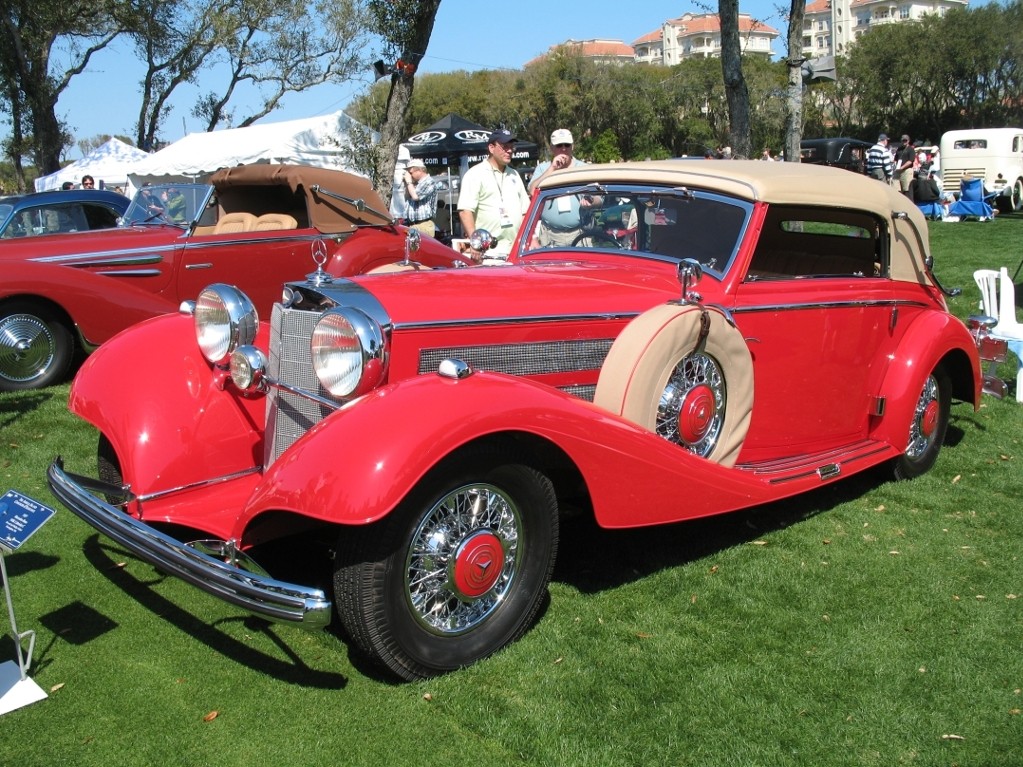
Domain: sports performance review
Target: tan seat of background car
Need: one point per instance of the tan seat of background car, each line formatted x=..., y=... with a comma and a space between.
x=269, y=222
x=233, y=223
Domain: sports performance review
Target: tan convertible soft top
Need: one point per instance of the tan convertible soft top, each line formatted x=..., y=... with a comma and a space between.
x=780, y=183
x=320, y=187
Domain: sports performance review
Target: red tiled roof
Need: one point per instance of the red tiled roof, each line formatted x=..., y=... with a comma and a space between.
x=709, y=22
x=818, y=6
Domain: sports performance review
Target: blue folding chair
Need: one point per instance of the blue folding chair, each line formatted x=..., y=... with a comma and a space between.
x=931, y=210
x=972, y=200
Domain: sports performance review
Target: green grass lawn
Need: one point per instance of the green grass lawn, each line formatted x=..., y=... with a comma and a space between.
x=868, y=623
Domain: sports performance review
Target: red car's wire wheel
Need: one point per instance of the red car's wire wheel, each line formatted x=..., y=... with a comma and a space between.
x=463, y=559
x=926, y=419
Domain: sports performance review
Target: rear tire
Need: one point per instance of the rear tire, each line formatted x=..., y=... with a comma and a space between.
x=36, y=347
x=456, y=572
x=927, y=427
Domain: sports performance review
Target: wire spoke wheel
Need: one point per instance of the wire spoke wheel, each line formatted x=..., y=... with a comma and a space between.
x=456, y=572
x=692, y=406
x=463, y=559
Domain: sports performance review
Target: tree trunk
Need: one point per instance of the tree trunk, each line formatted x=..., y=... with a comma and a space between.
x=402, y=85
x=736, y=92
x=794, y=95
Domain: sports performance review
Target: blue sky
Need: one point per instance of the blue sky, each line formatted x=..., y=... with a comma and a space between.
x=468, y=34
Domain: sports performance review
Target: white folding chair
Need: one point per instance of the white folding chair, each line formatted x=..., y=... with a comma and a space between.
x=998, y=300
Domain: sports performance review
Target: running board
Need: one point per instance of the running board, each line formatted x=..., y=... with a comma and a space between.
x=827, y=465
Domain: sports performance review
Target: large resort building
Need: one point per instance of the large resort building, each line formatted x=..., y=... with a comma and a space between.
x=829, y=28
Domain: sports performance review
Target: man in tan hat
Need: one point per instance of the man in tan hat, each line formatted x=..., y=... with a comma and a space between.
x=420, y=197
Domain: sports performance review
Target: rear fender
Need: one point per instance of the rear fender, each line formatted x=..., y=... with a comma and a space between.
x=169, y=419
x=934, y=338
x=355, y=466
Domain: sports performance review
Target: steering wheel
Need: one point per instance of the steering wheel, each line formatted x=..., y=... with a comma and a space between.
x=596, y=235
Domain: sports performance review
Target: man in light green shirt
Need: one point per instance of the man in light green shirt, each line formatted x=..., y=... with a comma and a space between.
x=492, y=195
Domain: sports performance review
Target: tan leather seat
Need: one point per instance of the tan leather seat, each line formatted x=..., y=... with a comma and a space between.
x=269, y=222
x=234, y=223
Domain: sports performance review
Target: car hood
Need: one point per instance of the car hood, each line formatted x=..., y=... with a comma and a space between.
x=541, y=291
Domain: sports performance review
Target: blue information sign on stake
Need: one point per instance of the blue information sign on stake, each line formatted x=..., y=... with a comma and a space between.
x=20, y=517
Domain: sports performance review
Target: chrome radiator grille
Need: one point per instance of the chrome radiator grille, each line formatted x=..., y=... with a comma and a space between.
x=288, y=416
x=526, y=359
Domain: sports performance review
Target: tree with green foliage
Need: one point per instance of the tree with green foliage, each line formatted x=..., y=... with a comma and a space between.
x=29, y=31
x=736, y=91
x=277, y=47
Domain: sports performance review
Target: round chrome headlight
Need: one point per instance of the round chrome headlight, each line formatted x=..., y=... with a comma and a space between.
x=224, y=320
x=248, y=367
x=348, y=352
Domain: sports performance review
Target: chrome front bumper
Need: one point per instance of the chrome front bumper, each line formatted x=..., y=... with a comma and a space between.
x=258, y=594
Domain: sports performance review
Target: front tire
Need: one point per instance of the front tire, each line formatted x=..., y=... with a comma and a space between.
x=36, y=347
x=456, y=572
x=927, y=427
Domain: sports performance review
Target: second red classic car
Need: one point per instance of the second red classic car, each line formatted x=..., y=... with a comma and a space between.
x=710, y=337
x=252, y=227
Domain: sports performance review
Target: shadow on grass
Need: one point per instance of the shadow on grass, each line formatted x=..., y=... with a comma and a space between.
x=592, y=559
x=18, y=405
x=293, y=671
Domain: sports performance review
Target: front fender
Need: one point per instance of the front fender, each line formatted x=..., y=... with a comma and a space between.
x=356, y=466
x=934, y=338
x=99, y=305
x=153, y=395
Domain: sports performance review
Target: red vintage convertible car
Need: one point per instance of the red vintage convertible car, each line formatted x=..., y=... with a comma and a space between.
x=741, y=332
x=252, y=228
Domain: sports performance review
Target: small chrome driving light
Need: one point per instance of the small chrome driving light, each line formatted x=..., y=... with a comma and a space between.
x=248, y=368
x=224, y=320
x=348, y=352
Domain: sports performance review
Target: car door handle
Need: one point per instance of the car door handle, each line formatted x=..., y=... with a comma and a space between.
x=198, y=266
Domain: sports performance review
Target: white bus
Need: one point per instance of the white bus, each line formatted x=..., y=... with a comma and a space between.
x=993, y=154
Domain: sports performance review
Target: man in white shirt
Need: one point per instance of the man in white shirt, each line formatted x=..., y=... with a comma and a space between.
x=492, y=195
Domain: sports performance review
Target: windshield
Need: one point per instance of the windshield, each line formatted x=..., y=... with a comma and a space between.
x=178, y=204
x=666, y=222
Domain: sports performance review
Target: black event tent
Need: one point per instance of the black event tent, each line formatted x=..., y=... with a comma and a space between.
x=453, y=140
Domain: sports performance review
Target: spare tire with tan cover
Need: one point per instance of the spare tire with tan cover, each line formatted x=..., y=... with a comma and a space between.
x=685, y=373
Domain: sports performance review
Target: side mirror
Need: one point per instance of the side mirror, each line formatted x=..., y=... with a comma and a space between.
x=690, y=272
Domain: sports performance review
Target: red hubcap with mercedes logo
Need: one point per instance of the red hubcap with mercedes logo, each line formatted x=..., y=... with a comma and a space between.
x=478, y=564
x=696, y=414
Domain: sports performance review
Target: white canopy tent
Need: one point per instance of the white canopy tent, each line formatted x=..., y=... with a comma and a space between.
x=108, y=163
x=316, y=141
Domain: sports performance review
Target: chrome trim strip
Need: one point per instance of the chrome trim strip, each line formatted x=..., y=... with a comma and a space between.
x=329, y=403
x=134, y=273
x=476, y=322
x=200, y=483
x=127, y=261
x=149, y=255
x=827, y=305
x=259, y=594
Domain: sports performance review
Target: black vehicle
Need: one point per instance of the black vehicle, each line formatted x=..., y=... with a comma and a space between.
x=848, y=153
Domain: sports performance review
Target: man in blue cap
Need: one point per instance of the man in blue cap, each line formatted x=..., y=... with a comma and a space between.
x=492, y=195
